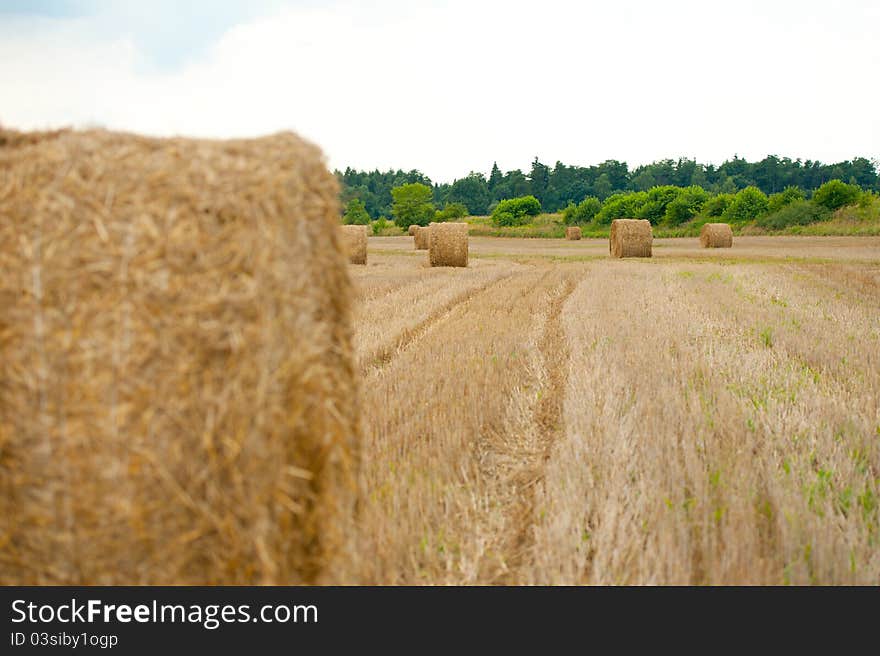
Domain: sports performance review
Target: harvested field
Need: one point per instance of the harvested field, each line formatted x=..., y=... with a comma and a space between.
x=553, y=416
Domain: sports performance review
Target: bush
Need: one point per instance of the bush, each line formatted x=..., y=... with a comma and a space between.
x=748, y=204
x=787, y=196
x=798, y=212
x=451, y=211
x=867, y=199
x=835, y=194
x=657, y=199
x=356, y=213
x=686, y=205
x=622, y=205
x=413, y=204
x=583, y=212
x=716, y=205
x=515, y=211
x=379, y=225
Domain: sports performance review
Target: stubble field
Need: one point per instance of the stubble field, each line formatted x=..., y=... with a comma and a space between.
x=551, y=416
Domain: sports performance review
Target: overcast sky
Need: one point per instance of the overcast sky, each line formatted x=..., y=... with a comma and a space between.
x=448, y=87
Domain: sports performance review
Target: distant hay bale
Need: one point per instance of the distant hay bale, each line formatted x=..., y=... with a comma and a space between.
x=573, y=233
x=630, y=238
x=178, y=402
x=716, y=235
x=354, y=239
x=422, y=238
x=412, y=230
x=448, y=245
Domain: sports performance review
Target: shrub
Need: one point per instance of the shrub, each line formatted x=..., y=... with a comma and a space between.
x=748, y=204
x=657, y=199
x=787, y=196
x=379, y=225
x=834, y=194
x=515, y=211
x=356, y=213
x=798, y=212
x=583, y=212
x=867, y=199
x=716, y=205
x=451, y=211
x=507, y=219
x=621, y=205
x=686, y=205
x=413, y=204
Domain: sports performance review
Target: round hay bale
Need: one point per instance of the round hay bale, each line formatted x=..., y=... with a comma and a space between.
x=422, y=238
x=448, y=245
x=178, y=401
x=412, y=230
x=716, y=235
x=573, y=233
x=630, y=238
x=354, y=239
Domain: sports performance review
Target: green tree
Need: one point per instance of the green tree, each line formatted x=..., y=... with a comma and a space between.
x=785, y=197
x=451, y=211
x=413, y=204
x=602, y=187
x=583, y=212
x=356, y=213
x=716, y=205
x=748, y=204
x=686, y=205
x=495, y=179
x=622, y=205
x=539, y=179
x=835, y=194
x=516, y=211
x=471, y=191
x=657, y=199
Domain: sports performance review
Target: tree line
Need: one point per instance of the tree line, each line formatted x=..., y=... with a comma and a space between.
x=559, y=186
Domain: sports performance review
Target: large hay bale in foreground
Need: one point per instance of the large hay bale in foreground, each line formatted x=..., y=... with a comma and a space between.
x=448, y=245
x=422, y=238
x=177, y=389
x=354, y=238
x=411, y=231
x=573, y=233
x=630, y=238
x=716, y=235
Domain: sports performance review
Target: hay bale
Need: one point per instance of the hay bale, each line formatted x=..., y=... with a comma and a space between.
x=448, y=245
x=422, y=238
x=354, y=239
x=716, y=235
x=412, y=230
x=630, y=238
x=177, y=389
x=573, y=233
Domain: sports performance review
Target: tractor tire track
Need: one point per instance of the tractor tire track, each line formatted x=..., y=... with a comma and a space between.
x=382, y=356
x=545, y=425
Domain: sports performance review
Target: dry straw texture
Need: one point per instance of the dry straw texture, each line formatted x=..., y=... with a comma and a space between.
x=177, y=394
x=354, y=237
x=448, y=245
x=412, y=230
x=630, y=238
x=422, y=238
x=573, y=233
x=16, y=139
x=716, y=235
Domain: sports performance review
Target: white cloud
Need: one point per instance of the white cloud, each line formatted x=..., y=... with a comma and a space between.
x=449, y=87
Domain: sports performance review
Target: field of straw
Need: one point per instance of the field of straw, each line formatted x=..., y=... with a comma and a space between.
x=551, y=415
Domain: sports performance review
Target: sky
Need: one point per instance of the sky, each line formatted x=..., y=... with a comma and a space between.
x=450, y=87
